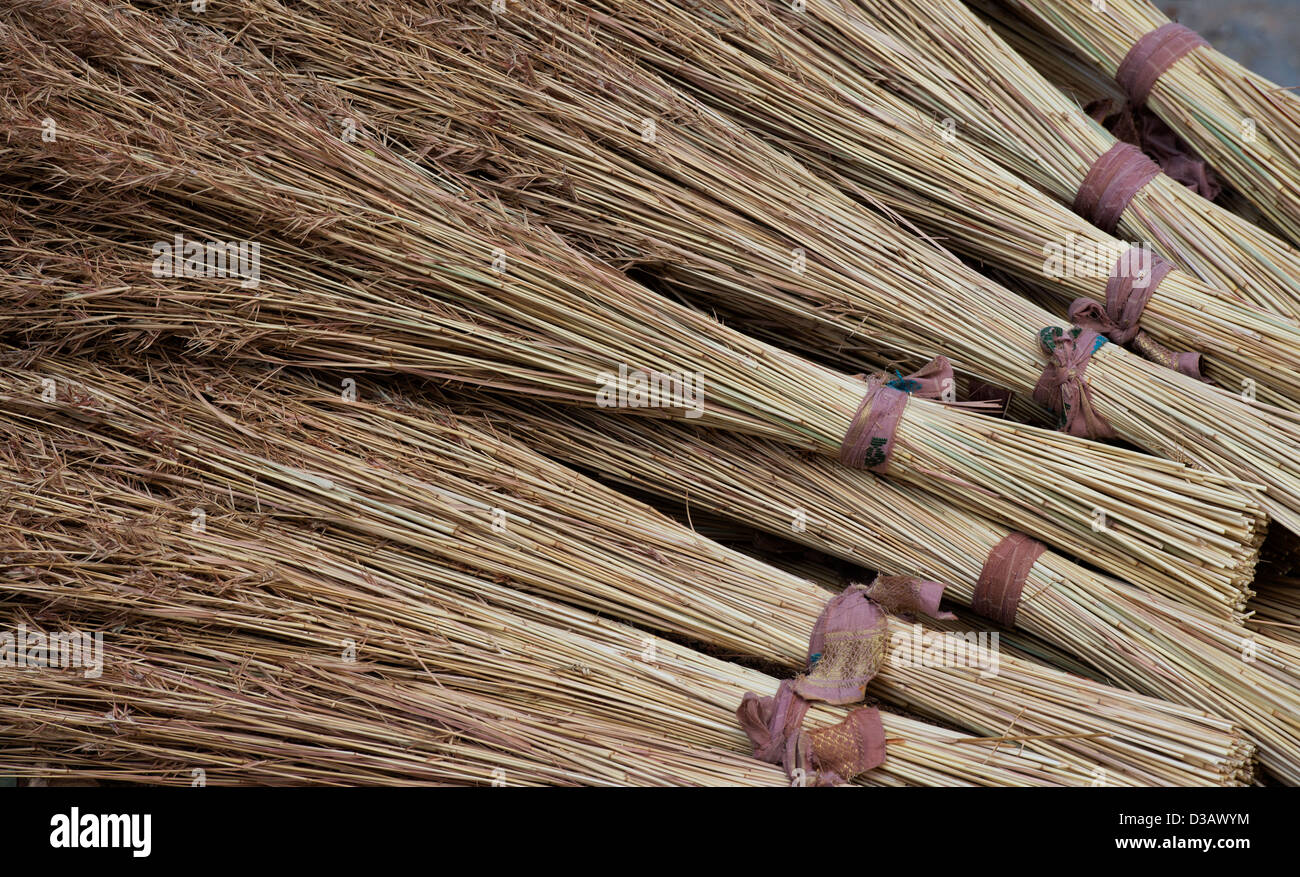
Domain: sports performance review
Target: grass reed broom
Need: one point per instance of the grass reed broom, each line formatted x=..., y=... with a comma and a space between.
x=1191, y=532
x=945, y=60
x=986, y=332
x=835, y=574
x=1210, y=541
x=384, y=325
x=1084, y=84
x=890, y=151
x=308, y=592
x=711, y=464
x=949, y=189
x=1140, y=641
x=222, y=710
x=537, y=551
x=1246, y=126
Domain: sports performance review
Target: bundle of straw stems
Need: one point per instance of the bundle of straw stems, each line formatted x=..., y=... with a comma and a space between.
x=1277, y=609
x=424, y=299
x=891, y=153
x=710, y=205
x=433, y=643
x=943, y=59
x=1247, y=127
x=1135, y=639
x=194, y=706
x=1085, y=84
x=818, y=342
x=835, y=574
x=1191, y=535
x=431, y=485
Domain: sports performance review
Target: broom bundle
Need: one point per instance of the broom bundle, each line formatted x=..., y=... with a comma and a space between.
x=835, y=574
x=585, y=544
x=189, y=707
x=946, y=61
x=1103, y=99
x=309, y=598
x=704, y=468
x=888, y=152
x=950, y=190
x=1143, y=642
x=552, y=326
x=1247, y=127
x=987, y=331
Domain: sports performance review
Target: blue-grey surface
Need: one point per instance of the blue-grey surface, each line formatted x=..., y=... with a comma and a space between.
x=1260, y=34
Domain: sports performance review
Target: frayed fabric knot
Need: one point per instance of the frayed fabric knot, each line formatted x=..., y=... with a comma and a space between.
x=847, y=648
x=1063, y=387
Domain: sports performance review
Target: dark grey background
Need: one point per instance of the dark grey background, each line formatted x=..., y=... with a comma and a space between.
x=1260, y=34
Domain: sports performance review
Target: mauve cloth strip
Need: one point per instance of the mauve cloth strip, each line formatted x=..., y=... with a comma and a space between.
x=1153, y=54
x=1002, y=580
x=869, y=441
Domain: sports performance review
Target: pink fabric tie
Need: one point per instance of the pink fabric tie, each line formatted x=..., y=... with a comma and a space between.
x=1001, y=581
x=869, y=441
x=847, y=648
x=1115, y=177
x=1063, y=388
x=1127, y=294
x=1152, y=55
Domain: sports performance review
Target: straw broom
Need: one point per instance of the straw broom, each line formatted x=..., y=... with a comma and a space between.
x=711, y=464
x=544, y=297
x=890, y=152
x=835, y=574
x=222, y=710
x=1217, y=560
x=949, y=189
x=1192, y=535
x=1245, y=125
x=946, y=61
x=313, y=592
x=537, y=551
x=1085, y=84
x=289, y=717
x=307, y=559
x=1138, y=640
x=989, y=333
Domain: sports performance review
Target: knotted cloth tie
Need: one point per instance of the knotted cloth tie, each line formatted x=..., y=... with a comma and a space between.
x=1151, y=56
x=1127, y=293
x=869, y=440
x=1148, y=132
x=1063, y=388
x=847, y=648
x=826, y=756
x=1001, y=581
x=1109, y=186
